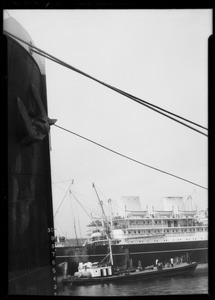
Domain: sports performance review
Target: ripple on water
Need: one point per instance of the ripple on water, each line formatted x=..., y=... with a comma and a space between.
x=197, y=283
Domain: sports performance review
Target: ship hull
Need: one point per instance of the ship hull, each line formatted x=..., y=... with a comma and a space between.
x=148, y=253
x=30, y=211
x=72, y=256
x=145, y=253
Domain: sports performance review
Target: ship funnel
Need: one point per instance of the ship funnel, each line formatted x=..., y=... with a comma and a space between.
x=173, y=203
x=130, y=202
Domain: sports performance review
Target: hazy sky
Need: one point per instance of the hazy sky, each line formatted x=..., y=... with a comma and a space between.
x=157, y=55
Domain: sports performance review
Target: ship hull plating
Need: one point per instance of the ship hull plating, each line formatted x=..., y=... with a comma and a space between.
x=145, y=253
x=30, y=212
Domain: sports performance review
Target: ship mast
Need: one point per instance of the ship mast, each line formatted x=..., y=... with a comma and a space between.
x=75, y=232
x=111, y=213
x=106, y=225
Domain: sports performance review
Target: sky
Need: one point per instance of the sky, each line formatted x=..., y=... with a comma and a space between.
x=159, y=56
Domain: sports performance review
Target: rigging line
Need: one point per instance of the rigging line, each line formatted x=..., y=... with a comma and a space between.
x=92, y=210
x=157, y=110
x=58, y=187
x=59, y=178
x=76, y=209
x=102, y=193
x=85, y=202
x=136, y=99
x=106, y=198
x=84, y=209
x=60, y=227
x=110, y=199
x=132, y=159
x=143, y=102
x=121, y=207
x=150, y=105
x=62, y=181
x=88, y=198
x=63, y=198
x=51, y=57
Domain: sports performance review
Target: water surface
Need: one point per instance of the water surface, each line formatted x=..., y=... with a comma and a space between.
x=197, y=283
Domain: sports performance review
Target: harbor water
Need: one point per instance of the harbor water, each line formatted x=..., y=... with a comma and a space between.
x=196, y=283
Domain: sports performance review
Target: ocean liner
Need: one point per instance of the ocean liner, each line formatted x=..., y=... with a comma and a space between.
x=141, y=235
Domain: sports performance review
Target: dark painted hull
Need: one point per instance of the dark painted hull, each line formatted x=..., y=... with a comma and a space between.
x=30, y=213
x=72, y=255
x=177, y=270
x=146, y=253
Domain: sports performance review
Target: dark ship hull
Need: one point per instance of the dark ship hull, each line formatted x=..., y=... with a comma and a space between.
x=148, y=253
x=30, y=213
x=145, y=253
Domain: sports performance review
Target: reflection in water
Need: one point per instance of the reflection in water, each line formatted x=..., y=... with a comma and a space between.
x=197, y=283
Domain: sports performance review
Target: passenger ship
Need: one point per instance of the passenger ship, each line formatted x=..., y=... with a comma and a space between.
x=145, y=236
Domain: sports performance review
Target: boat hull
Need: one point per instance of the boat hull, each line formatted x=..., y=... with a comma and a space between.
x=182, y=269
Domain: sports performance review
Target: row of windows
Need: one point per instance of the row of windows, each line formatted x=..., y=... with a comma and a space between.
x=149, y=241
x=166, y=230
x=158, y=221
x=156, y=224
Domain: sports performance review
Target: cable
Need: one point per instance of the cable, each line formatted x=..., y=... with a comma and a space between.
x=125, y=156
x=105, y=205
x=84, y=209
x=136, y=99
x=63, y=198
x=58, y=187
x=84, y=203
x=60, y=227
x=120, y=207
x=62, y=181
x=145, y=103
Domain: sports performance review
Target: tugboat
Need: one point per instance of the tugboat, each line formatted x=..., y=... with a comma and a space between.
x=90, y=273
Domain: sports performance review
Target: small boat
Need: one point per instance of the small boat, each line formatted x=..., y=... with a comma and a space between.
x=94, y=274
